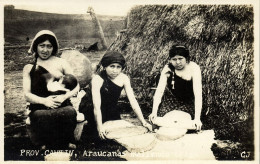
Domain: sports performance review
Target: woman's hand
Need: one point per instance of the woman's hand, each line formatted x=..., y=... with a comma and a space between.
x=101, y=132
x=166, y=70
x=60, y=98
x=152, y=116
x=148, y=126
x=198, y=124
x=51, y=102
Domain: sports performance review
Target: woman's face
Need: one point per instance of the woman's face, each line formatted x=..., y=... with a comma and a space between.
x=113, y=70
x=179, y=62
x=45, y=49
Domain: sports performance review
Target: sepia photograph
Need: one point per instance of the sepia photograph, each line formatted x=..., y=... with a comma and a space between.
x=130, y=80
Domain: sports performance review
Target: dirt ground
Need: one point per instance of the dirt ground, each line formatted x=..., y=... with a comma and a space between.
x=14, y=99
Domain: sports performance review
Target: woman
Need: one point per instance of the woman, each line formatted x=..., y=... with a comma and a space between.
x=100, y=104
x=53, y=119
x=183, y=96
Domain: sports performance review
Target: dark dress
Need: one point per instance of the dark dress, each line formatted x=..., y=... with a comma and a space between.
x=178, y=95
x=110, y=93
x=51, y=126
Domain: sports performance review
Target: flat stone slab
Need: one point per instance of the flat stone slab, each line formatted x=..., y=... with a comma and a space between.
x=125, y=132
x=133, y=138
x=165, y=134
x=110, y=125
x=138, y=143
x=195, y=146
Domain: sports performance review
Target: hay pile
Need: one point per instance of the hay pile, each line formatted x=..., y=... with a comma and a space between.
x=220, y=39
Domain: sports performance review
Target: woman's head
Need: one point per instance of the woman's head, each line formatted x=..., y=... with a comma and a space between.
x=113, y=63
x=180, y=51
x=48, y=41
x=42, y=40
x=112, y=57
x=179, y=57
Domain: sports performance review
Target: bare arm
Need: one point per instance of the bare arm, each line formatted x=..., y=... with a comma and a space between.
x=132, y=99
x=160, y=89
x=197, y=89
x=32, y=98
x=97, y=82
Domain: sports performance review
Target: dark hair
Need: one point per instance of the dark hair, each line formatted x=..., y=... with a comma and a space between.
x=70, y=81
x=43, y=38
x=112, y=57
x=179, y=50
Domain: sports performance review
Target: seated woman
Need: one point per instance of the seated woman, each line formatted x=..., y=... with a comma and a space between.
x=53, y=119
x=100, y=104
x=180, y=82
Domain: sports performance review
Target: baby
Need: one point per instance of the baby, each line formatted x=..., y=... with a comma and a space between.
x=66, y=83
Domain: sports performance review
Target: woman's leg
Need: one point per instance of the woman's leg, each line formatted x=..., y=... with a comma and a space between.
x=55, y=126
x=65, y=124
x=41, y=125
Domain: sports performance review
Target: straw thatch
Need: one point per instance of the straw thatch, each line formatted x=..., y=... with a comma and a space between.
x=220, y=39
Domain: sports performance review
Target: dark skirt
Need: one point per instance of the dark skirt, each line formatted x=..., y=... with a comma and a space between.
x=171, y=102
x=54, y=126
x=86, y=107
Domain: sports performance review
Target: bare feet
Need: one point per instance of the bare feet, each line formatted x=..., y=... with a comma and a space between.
x=72, y=146
x=43, y=147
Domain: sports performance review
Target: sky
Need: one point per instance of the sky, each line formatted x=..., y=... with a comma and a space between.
x=102, y=7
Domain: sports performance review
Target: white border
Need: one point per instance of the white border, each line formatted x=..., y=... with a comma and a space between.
x=254, y=3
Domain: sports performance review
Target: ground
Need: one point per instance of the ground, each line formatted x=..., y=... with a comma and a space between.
x=17, y=145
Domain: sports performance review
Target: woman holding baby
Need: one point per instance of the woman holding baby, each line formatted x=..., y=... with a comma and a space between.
x=53, y=119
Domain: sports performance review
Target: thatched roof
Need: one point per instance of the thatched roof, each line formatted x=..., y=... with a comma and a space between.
x=220, y=39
